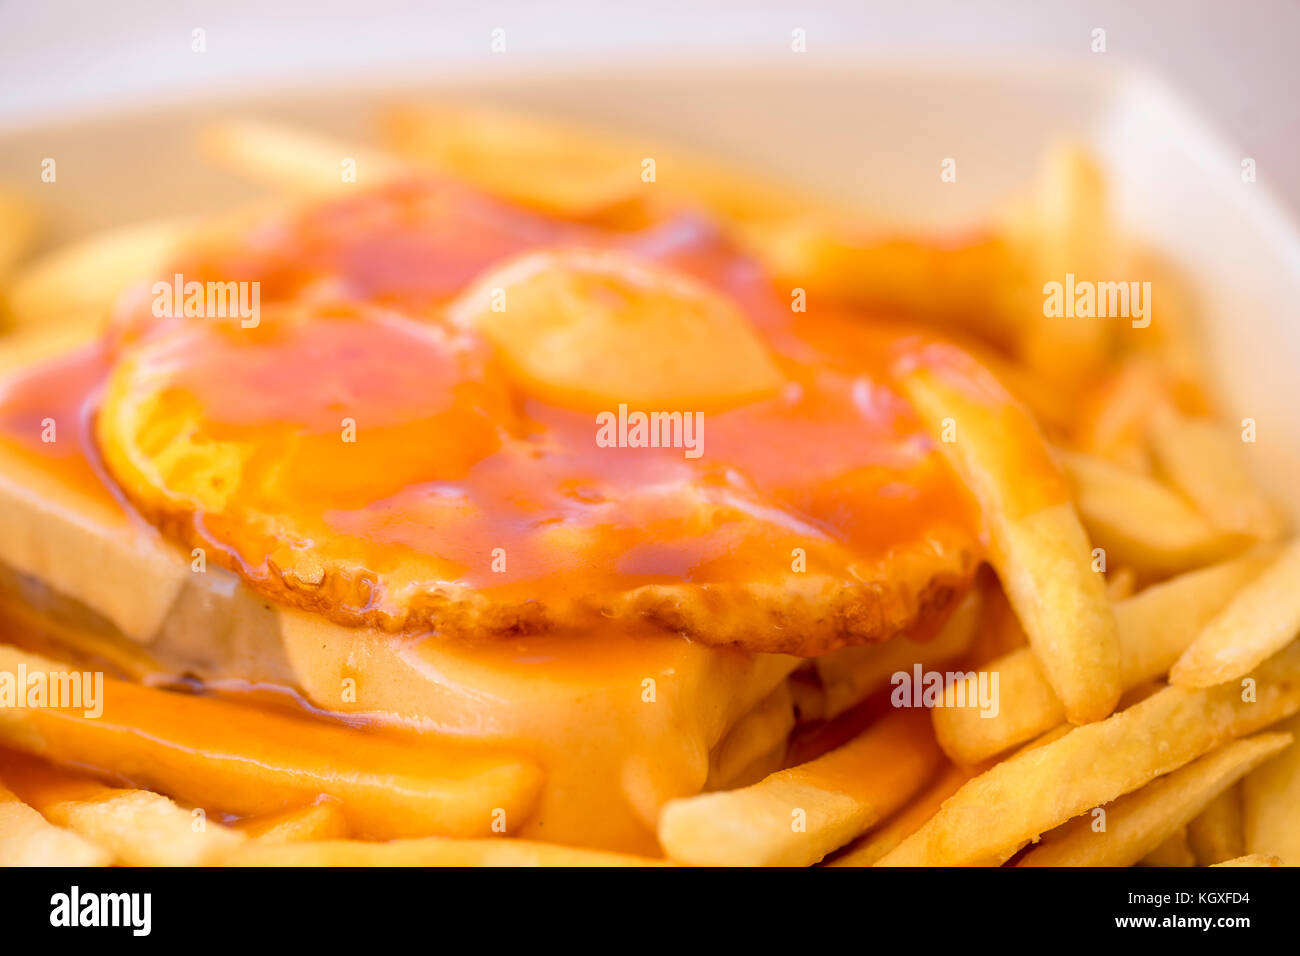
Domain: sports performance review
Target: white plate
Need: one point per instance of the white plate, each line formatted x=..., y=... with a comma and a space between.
x=877, y=133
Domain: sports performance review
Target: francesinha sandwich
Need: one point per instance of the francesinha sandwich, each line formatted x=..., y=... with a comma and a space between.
x=497, y=503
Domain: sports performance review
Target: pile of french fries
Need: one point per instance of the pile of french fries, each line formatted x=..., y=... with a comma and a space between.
x=1142, y=621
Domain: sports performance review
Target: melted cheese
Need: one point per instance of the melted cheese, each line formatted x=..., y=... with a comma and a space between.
x=619, y=722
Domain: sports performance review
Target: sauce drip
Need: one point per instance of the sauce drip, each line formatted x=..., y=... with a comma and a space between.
x=61, y=393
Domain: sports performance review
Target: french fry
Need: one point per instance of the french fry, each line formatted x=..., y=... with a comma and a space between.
x=1158, y=624
x=1203, y=461
x=1173, y=852
x=1154, y=626
x=796, y=816
x=322, y=820
x=1252, y=859
x=951, y=285
x=1053, y=409
x=231, y=758
x=1000, y=631
x=28, y=839
x=78, y=283
x=1039, y=548
x=1001, y=857
x=758, y=735
x=548, y=165
x=297, y=160
x=1261, y=619
x=876, y=843
x=1270, y=805
x=1138, y=823
x=1215, y=834
x=1032, y=792
x=1115, y=416
x=1067, y=230
x=1026, y=706
x=430, y=851
x=1142, y=523
x=138, y=827
x=1121, y=584
x=567, y=170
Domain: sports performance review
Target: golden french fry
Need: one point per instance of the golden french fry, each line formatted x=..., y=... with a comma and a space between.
x=1000, y=631
x=540, y=163
x=571, y=171
x=796, y=816
x=1026, y=706
x=1067, y=231
x=78, y=283
x=758, y=739
x=1039, y=550
x=1216, y=832
x=1120, y=584
x=232, y=758
x=1252, y=859
x=28, y=839
x=877, y=842
x=1138, y=823
x=297, y=160
x=1053, y=409
x=953, y=285
x=322, y=820
x=1178, y=344
x=430, y=851
x=1155, y=626
x=139, y=827
x=1270, y=804
x=1114, y=419
x=1140, y=522
x=1262, y=618
x=1030, y=793
x=1173, y=852
x=1158, y=624
x=1203, y=461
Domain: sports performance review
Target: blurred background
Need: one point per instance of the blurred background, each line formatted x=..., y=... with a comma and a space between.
x=1236, y=62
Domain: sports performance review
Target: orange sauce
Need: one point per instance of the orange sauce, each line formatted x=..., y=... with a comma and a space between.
x=65, y=391
x=837, y=463
x=1030, y=480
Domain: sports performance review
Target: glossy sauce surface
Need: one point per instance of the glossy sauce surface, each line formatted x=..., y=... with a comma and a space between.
x=451, y=463
x=65, y=391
